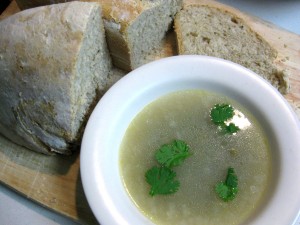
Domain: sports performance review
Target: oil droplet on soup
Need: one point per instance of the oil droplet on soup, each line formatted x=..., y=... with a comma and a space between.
x=185, y=115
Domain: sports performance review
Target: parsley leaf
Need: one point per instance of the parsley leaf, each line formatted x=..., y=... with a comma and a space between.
x=220, y=113
x=162, y=180
x=232, y=128
x=173, y=154
x=227, y=190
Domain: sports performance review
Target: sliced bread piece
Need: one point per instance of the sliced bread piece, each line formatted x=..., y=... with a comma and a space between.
x=133, y=27
x=134, y=31
x=54, y=64
x=208, y=28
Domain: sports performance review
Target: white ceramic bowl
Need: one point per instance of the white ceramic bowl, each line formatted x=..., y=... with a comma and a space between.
x=105, y=129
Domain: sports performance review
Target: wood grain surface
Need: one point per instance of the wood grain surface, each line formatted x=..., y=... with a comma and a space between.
x=54, y=181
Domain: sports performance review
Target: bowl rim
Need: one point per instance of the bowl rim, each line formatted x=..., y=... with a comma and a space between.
x=157, y=78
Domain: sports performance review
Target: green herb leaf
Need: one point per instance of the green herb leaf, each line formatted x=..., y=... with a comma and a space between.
x=231, y=179
x=227, y=190
x=162, y=181
x=223, y=191
x=170, y=155
x=232, y=128
x=221, y=112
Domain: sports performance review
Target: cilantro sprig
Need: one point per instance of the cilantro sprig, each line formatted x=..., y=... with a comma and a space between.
x=163, y=179
x=228, y=190
x=173, y=154
x=221, y=113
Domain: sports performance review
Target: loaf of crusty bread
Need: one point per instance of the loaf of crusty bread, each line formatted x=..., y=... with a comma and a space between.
x=134, y=28
x=54, y=64
x=207, y=28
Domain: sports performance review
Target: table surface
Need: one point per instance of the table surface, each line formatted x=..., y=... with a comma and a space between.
x=17, y=210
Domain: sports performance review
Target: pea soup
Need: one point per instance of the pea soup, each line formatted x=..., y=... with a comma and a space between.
x=185, y=115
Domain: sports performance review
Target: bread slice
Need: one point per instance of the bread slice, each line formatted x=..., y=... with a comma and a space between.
x=133, y=27
x=134, y=31
x=208, y=28
x=54, y=64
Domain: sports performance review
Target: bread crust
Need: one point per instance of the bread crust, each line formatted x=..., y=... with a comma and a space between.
x=119, y=16
x=38, y=58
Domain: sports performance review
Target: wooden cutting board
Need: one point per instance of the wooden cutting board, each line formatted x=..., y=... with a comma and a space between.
x=54, y=181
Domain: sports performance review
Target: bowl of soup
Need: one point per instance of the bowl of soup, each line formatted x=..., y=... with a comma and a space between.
x=192, y=140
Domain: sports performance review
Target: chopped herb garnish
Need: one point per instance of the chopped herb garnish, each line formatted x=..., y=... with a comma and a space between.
x=173, y=154
x=220, y=114
x=232, y=128
x=162, y=180
x=227, y=190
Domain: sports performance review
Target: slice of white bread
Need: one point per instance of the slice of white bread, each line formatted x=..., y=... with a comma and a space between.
x=134, y=31
x=208, y=28
x=134, y=28
x=54, y=64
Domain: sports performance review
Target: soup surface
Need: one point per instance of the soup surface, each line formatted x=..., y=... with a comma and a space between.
x=185, y=115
